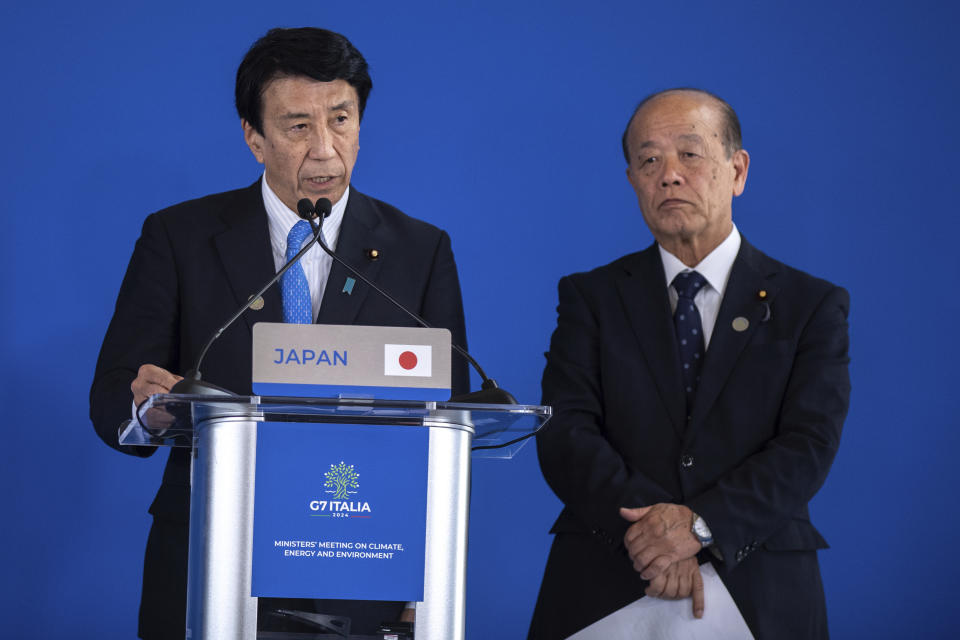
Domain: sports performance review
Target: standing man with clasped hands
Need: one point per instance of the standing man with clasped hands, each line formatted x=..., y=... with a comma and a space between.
x=699, y=389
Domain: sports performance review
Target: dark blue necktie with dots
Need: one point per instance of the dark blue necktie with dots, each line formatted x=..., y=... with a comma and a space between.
x=686, y=319
x=297, y=305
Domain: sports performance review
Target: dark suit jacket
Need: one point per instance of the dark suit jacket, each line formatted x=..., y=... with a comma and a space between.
x=764, y=430
x=194, y=264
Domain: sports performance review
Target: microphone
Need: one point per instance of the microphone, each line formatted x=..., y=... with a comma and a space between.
x=489, y=392
x=308, y=211
x=192, y=382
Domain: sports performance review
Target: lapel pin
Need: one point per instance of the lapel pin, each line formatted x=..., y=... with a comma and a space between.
x=372, y=254
x=740, y=324
x=348, y=285
x=257, y=304
x=762, y=294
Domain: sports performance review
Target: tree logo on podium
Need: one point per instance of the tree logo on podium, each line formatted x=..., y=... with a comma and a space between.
x=340, y=479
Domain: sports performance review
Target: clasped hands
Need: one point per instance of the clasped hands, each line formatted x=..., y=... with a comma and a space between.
x=663, y=550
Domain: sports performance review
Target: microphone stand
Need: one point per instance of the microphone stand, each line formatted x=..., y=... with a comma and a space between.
x=489, y=393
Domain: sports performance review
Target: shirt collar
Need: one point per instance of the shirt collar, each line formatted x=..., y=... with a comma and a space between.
x=281, y=218
x=715, y=267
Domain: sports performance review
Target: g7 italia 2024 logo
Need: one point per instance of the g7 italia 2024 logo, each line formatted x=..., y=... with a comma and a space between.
x=342, y=480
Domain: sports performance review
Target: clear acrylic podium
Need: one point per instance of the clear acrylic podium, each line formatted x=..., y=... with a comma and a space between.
x=222, y=431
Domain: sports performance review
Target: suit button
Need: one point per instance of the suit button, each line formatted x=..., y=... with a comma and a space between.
x=686, y=461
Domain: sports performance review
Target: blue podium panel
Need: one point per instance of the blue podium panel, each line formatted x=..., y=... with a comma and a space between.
x=340, y=511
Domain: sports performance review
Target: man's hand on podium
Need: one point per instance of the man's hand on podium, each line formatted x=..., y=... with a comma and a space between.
x=152, y=379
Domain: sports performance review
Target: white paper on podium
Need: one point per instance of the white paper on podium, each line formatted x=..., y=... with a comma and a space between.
x=656, y=619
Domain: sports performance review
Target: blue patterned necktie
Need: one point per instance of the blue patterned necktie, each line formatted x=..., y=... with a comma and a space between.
x=297, y=306
x=686, y=319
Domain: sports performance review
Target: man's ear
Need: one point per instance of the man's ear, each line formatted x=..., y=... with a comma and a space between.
x=254, y=140
x=741, y=163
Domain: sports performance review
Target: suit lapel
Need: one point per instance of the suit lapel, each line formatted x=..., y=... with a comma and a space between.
x=244, y=249
x=751, y=272
x=644, y=296
x=359, y=231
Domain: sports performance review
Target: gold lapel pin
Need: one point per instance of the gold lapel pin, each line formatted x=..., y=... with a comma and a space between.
x=257, y=304
x=372, y=254
x=740, y=324
x=762, y=294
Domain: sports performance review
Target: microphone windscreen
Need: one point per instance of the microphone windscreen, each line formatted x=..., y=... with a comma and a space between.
x=324, y=207
x=306, y=210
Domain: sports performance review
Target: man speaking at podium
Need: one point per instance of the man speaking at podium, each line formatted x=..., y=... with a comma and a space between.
x=300, y=94
x=698, y=388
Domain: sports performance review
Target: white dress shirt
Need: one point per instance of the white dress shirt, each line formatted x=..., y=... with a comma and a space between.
x=715, y=268
x=316, y=263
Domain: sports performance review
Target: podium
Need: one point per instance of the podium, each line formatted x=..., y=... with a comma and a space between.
x=222, y=432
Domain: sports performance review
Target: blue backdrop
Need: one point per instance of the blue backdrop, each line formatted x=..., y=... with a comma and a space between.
x=499, y=122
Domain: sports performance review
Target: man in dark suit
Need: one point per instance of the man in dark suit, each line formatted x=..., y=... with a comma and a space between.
x=300, y=94
x=699, y=388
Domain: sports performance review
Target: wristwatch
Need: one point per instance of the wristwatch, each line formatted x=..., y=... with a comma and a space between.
x=701, y=531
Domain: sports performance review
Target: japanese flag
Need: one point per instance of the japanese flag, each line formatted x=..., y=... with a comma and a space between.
x=407, y=360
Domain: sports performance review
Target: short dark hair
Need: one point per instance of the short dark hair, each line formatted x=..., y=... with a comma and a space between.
x=315, y=53
x=732, y=139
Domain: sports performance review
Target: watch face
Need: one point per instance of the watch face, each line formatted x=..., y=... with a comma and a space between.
x=700, y=529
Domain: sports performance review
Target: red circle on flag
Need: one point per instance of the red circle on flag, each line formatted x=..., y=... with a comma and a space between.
x=408, y=360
